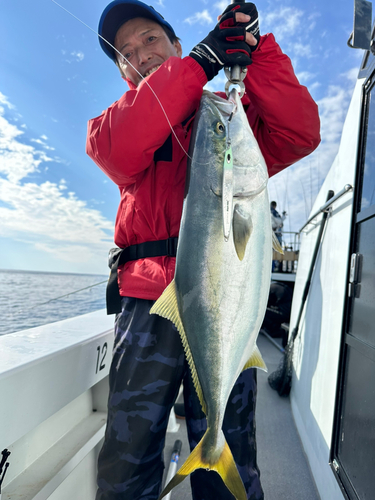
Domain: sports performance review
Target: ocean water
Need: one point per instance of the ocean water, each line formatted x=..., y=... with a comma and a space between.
x=29, y=299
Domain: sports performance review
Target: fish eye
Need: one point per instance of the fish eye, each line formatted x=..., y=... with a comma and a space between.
x=220, y=129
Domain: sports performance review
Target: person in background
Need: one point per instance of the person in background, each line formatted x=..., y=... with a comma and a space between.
x=132, y=143
x=277, y=221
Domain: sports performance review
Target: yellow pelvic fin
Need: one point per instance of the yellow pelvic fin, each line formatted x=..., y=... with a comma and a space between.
x=166, y=306
x=256, y=361
x=224, y=466
x=276, y=244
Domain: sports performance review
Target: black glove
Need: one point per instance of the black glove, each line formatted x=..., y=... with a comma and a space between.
x=246, y=8
x=225, y=45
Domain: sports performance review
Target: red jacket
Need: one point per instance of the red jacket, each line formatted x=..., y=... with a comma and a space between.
x=132, y=143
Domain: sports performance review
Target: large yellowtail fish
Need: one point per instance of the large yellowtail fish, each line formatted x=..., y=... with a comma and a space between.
x=218, y=297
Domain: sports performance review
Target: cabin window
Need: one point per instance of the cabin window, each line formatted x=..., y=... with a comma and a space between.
x=368, y=189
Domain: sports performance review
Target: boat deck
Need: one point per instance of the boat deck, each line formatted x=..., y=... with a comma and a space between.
x=285, y=473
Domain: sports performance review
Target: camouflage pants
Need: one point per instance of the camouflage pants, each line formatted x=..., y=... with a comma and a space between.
x=147, y=369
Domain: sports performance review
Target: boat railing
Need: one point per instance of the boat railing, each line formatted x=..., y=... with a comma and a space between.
x=327, y=205
x=288, y=261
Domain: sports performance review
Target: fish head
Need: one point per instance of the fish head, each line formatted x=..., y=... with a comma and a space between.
x=207, y=144
x=250, y=175
x=226, y=164
x=250, y=172
x=232, y=167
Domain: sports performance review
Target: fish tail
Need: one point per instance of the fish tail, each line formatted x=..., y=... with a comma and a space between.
x=225, y=466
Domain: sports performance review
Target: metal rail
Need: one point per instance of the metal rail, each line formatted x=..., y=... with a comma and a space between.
x=324, y=208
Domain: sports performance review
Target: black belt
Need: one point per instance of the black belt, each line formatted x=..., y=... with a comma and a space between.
x=119, y=256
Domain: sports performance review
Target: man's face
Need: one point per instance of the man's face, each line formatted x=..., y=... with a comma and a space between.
x=146, y=45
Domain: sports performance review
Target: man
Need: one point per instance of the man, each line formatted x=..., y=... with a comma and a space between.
x=132, y=143
x=277, y=220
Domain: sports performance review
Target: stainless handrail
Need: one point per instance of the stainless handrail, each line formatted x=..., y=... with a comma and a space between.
x=323, y=208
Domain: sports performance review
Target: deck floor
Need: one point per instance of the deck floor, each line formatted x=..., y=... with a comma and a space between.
x=285, y=473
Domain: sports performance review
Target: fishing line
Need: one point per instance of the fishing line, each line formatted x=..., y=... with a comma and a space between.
x=58, y=298
x=304, y=196
x=130, y=64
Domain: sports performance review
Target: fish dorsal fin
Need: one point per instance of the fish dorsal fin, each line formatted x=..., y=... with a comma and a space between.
x=166, y=306
x=256, y=361
x=242, y=228
x=276, y=244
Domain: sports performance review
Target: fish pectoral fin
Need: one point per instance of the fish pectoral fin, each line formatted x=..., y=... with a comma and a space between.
x=276, y=244
x=225, y=466
x=242, y=228
x=166, y=306
x=256, y=361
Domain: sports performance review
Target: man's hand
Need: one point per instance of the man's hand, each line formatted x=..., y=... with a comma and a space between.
x=238, y=15
x=226, y=45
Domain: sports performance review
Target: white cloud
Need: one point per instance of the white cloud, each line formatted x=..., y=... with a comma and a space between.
x=284, y=22
x=332, y=111
x=44, y=211
x=38, y=141
x=79, y=56
x=296, y=188
x=351, y=75
x=42, y=143
x=302, y=49
x=76, y=56
x=73, y=254
x=45, y=214
x=312, y=19
x=222, y=5
x=200, y=17
x=314, y=86
x=5, y=102
x=305, y=76
x=17, y=160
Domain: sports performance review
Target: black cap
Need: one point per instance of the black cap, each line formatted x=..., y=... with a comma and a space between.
x=117, y=13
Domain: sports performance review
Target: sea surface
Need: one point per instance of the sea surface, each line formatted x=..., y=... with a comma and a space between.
x=29, y=299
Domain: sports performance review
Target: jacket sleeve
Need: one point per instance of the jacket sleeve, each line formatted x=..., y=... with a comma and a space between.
x=282, y=114
x=123, y=139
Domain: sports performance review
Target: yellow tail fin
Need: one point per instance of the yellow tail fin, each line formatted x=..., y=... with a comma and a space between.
x=225, y=466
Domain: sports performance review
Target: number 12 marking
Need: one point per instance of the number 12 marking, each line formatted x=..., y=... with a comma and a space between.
x=104, y=353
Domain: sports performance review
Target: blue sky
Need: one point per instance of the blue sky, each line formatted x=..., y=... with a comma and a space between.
x=57, y=209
